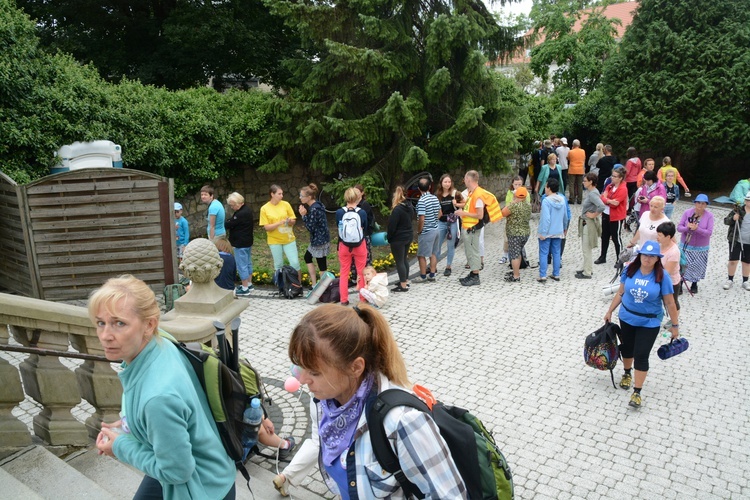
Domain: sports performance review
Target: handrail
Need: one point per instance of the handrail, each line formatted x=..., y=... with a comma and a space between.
x=52, y=352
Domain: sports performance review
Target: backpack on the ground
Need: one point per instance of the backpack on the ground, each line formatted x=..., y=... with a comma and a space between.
x=229, y=384
x=331, y=294
x=601, y=349
x=172, y=293
x=482, y=466
x=350, y=228
x=287, y=279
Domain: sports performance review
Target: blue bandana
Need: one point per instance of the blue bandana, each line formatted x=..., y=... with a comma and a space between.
x=337, y=426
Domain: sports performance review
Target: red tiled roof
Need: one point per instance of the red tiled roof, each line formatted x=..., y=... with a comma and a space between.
x=623, y=11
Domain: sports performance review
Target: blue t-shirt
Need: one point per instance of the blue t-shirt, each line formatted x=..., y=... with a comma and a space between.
x=643, y=295
x=225, y=279
x=217, y=209
x=183, y=231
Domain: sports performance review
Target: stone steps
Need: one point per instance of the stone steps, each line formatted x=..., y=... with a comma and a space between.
x=36, y=473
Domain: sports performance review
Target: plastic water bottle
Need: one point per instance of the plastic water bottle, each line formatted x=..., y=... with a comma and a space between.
x=252, y=419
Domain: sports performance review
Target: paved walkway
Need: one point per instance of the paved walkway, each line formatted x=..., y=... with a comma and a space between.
x=512, y=353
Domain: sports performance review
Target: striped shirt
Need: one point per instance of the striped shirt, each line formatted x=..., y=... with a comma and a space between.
x=429, y=207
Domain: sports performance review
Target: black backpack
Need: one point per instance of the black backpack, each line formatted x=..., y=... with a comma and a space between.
x=229, y=384
x=287, y=279
x=482, y=466
x=331, y=294
x=601, y=349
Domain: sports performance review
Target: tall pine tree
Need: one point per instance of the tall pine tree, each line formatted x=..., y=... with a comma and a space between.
x=680, y=84
x=394, y=85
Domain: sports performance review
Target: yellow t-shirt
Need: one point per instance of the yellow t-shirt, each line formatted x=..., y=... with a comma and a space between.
x=271, y=214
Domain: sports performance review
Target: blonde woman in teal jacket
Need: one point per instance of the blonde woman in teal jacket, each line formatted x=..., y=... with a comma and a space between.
x=166, y=429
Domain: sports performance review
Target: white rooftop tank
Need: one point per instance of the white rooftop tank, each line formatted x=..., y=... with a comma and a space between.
x=94, y=154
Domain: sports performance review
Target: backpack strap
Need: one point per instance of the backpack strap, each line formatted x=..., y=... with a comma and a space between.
x=385, y=402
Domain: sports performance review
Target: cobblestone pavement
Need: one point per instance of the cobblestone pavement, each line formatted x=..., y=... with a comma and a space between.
x=512, y=353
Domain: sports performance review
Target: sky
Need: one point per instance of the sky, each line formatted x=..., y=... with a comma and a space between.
x=522, y=7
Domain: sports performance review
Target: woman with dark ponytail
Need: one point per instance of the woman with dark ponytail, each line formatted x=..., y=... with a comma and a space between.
x=347, y=357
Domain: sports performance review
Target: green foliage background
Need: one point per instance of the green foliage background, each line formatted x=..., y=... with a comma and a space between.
x=47, y=101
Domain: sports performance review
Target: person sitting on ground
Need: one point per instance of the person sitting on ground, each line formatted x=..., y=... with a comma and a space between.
x=668, y=167
x=375, y=291
x=225, y=279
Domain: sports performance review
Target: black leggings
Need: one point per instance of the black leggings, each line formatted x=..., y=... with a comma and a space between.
x=610, y=230
x=637, y=342
x=400, y=253
x=322, y=262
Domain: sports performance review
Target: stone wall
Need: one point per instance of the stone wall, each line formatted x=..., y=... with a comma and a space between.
x=253, y=185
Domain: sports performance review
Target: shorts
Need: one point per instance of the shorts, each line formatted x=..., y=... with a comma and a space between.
x=515, y=246
x=738, y=250
x=427, y=244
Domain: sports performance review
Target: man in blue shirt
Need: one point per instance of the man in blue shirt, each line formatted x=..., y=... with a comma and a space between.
x=428, y=213
x=216, y=214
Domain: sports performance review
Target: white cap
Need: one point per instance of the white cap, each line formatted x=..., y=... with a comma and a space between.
x=177, y=206
x=564, y=141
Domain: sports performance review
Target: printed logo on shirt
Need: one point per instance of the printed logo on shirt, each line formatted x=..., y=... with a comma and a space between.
x=639, y=294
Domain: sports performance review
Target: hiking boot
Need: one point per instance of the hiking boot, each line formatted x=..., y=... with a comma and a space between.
x=284, y=454
x=635, y=400
x=447, y=271
x=511, y=279
x=729, y=284
x=626, y=381
x=694, y=288
x=470, y=280
x=279, y=482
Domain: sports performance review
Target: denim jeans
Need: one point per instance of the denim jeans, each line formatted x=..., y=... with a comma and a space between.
x=444, y=227
x=547, y=246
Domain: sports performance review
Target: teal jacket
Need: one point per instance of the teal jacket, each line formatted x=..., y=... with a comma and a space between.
x=544, y=176
x=173, y=437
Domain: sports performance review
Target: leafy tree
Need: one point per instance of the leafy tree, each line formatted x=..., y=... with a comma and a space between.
x=395, y=85
x=175, y=43
x=47, y=101
x=679, y=84
x=578, y=56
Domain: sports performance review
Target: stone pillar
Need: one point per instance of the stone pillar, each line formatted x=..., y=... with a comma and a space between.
x=13, y=432
x=53, y=386
x=98, y=383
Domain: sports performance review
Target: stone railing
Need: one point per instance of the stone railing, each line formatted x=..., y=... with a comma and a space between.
x=52, y=326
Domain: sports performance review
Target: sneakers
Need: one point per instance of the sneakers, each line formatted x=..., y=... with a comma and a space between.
x=746, y=285
x=504, y=260
x=542, y=280
x=470, y=279
x=511, y=279
x=420, y=279
x=729, y=284
x=626, y=381
x=239, y=292
x=430, y=277
x=635, y=400
x=279, y=482
x=556, y=278
x=447, y=271
x=694, y=288
x=284, y=454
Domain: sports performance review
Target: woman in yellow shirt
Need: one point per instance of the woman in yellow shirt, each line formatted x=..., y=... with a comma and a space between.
x=668, y=167
x=278, y=219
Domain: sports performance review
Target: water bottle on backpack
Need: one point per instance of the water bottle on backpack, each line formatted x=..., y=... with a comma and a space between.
x=252, y=419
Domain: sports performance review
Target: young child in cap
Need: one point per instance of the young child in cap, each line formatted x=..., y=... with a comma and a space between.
x=182, y=230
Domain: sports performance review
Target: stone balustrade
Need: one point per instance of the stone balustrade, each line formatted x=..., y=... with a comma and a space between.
x=58, y=327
